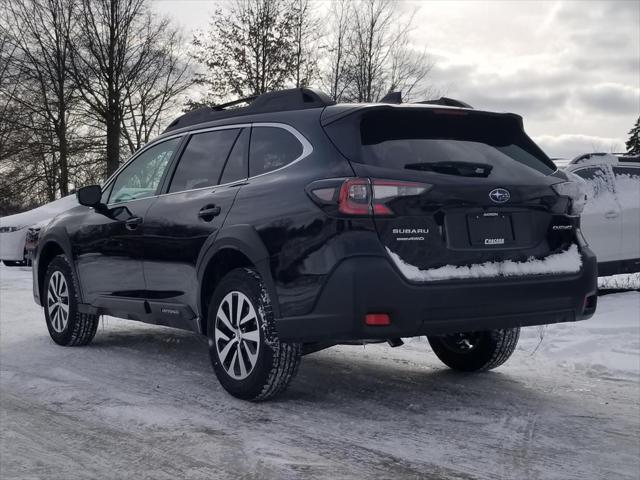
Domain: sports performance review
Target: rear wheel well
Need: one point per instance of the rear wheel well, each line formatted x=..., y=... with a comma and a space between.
x=50, y=251
x=220, y=264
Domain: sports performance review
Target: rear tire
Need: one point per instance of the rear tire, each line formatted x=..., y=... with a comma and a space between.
x=66, y=325
x=475, y=351
x=247, y=356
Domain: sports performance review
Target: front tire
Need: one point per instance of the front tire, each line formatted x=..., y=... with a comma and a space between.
x=66, y=325
x=475, y=351
x=247, y=356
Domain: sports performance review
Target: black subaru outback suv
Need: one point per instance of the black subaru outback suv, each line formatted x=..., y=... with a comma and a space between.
x=294, y=224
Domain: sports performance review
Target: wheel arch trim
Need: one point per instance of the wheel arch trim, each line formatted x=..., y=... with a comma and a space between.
x=244, y=239
x=52, y=239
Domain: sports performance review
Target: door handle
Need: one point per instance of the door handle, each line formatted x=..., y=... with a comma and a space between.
x=209, y=212
x=133, y=223
x=612, y=214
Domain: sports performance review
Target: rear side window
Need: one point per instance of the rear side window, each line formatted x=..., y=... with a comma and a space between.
x=272, y=148
x=441, y=141
x=203, y=159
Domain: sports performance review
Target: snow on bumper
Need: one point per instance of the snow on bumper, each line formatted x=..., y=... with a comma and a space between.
x=568, y=261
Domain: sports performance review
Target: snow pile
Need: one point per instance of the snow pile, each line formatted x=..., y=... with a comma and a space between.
x=606, y=346
x=625, y=281
x=568, y=261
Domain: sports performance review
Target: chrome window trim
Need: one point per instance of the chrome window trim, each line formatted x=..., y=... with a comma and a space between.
x=307, y=149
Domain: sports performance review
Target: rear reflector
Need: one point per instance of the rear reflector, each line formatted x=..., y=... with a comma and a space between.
x=377, y=319
x=590, y=303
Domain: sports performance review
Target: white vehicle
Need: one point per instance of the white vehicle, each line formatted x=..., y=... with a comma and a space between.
x=611, y=218
x=13, y=229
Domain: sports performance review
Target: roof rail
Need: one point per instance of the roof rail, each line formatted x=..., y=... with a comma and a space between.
x=449, y=102
x=278, y=101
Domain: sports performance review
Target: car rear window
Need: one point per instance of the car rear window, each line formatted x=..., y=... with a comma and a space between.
x=443, y=141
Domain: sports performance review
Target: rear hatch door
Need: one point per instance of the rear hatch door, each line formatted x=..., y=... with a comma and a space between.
x=489, y=195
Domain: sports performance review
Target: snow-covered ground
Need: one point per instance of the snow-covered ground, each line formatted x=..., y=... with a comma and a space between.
x=142, y=402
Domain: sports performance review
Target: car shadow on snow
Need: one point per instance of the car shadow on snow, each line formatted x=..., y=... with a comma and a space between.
x=345, y=376
x=325, y=378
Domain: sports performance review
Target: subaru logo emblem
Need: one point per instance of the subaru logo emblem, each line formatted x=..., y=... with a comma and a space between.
x=499, y=195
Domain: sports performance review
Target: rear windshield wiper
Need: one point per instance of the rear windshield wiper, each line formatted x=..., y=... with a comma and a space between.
x=462, y=169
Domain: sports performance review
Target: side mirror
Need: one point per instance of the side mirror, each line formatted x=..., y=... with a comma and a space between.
x=90, y=196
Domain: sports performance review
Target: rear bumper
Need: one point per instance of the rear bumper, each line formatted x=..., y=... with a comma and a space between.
x=362, y=285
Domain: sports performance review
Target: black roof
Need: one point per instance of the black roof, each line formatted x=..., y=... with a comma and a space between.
x=281, y=100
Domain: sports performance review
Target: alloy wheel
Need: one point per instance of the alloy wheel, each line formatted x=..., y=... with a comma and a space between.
x=237, y=335
x=58, y=301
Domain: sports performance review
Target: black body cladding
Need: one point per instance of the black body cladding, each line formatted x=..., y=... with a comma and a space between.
x=168, y=229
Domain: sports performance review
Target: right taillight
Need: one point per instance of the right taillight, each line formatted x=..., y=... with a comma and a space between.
x=364, y=196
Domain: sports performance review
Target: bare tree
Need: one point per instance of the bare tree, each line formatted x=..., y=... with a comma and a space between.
x=114, y=49
x=306, y=34
x=157, y=90
x=9, y=108
x=335, y=75
x=408, y=68
x=370, y=48
x=40, y=31
x=247, y=51
x=370, y=52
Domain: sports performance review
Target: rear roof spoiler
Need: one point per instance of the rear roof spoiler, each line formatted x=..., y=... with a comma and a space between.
x=446, y=101
x=396, y=99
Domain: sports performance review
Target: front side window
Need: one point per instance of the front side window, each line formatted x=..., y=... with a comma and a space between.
x=272, y=148
x=203, y=159
x=141, y=178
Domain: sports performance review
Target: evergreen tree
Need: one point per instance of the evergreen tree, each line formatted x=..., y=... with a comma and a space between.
x=633, y=144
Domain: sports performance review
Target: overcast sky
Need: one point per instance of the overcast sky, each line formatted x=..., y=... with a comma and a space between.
x=570, y=68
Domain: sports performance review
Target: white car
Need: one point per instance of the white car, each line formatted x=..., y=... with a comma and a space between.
x=611, y=218
x=13, y=229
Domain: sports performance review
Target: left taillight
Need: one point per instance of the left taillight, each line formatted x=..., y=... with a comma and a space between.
x=576, y=189
x=363, y=196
